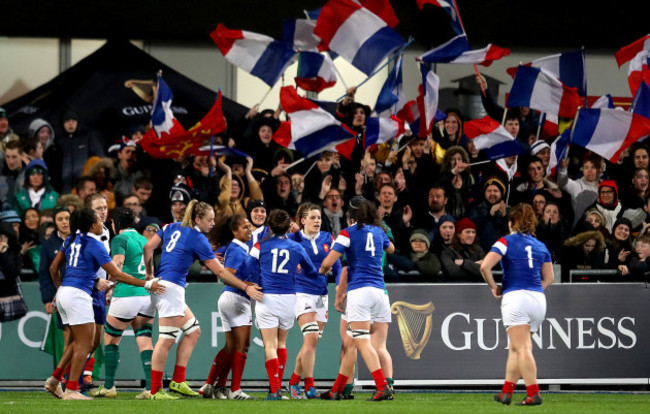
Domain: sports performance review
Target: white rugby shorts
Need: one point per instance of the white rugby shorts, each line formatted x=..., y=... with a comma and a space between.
x=128, y=307
x=368, y=304
x=275, y=311
x=306, y=303
x=171, y=302
x=523, y=307
x=75, y=306
x=235, y=311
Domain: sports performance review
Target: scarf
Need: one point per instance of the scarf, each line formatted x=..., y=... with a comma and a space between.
x=335, y=220
x=35, y=196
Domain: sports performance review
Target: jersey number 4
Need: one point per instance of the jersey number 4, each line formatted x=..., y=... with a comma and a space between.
x=370, y=244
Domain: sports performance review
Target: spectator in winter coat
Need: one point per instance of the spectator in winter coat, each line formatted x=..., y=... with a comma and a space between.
x=462, y=260
x=608, y=203
x=583, y=251
x=583, y=191
x=490, y=215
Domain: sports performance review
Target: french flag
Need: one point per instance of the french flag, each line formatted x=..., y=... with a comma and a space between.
x=219, y=150
x=491, y=137
x=162, y=118
x=430, y=88
x=391, y=93
x=569, y=67
x=298, y=34
x=559, y=149
x=315, y=71
x=450, y=7
x=535, y=88
x=627, y=53
x=257, y=54
x=356, y=34
x=457, y=51
x=311, y=129
x=604, y=101
x=608, y=132
x=410, y=113
x=638, y=71
x=380, y=130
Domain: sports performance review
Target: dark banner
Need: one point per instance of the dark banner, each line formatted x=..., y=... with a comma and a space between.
x=454, y=334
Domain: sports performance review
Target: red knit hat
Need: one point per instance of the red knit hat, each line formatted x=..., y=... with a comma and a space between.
x=464, y=224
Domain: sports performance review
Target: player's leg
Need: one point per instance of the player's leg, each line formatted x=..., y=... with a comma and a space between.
x=270, y=339
x=512, y=376
x=520, y=339
x=378, y=338
x=112, y=336
x=242, y=339
x=345, y=377
x=169, y=330
x=82, y=344
x=307, y=355
x=191, y=333
x=53, y=383
x=142, y=327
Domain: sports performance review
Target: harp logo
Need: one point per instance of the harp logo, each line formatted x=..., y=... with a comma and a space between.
x=414, y=322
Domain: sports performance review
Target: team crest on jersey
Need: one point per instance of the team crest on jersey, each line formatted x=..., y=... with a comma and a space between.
x=326, y=247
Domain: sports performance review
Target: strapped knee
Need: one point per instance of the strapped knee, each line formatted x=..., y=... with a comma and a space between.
x=190, y=326
x=144, y=331
x=361, y=334
x=113, y=331
x=309, y=328
x=170, y=332
x=320, y=335
x=348, y=332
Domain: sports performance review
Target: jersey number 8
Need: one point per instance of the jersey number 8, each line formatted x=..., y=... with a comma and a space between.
x=172, y=241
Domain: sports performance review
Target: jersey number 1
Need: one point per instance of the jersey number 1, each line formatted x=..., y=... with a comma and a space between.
x=529, y=250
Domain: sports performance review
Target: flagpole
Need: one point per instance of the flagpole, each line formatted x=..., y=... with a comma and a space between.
x=309, y=169
x=505, y=111
x=585, y=66
x=211, y=153
x=479, y=162
x=339, y=75
x=259, y=104
x=293, y=164
x=376, y=71
x=542, y=119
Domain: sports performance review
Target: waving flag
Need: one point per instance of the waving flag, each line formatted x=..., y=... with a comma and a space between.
x=559, y=149
x=257, y=54
x=298, y=34
x=627, y=53
x=491, y=137
x=220, y=150
x=450, y=7
x=182, y=142
x=162, y=118
x=430, y=87
x=535, y=88
x=638, y=71
x=391, y=93
x=382, y=9
x=356, y=34
x=311, y=129
x=410, y=113
x=568, y=66
x=604, y=101
x=315, y=71
x=380, y=130
x=608, y=132
x=448, y=51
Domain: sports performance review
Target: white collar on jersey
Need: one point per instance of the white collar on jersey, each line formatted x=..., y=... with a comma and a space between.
x=241, y=244
x=312, y=240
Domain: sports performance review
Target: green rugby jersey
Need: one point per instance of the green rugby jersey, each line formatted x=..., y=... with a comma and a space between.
x=130, y=244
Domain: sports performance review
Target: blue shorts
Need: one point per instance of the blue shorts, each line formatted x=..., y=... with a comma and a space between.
x=99, y=307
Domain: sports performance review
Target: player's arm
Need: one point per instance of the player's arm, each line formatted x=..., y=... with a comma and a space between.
x=490, y=260
x=55, y=268
x=147, y=254
x=548, y=276
x=122, y=277
x=118, y=259
x=329, y=261
x=390, y=249
x=254, y=291
x=341, y=290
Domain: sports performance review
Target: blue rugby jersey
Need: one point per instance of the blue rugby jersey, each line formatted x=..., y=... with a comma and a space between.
x=83, y=257
x=363, y=247
x=317, y=248
x=180, y=247
x=236, y=257
x=522, y=256
x=279, y=258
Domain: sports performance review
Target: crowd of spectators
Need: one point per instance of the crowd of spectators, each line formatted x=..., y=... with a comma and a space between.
x=443, y=203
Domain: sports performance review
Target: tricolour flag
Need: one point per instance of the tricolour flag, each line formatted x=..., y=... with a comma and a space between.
x=450, y=7
x=457, y=51
x=391, y=93
x=356, y=34
x=315, y=71
x=604, y=101
x=638, y=71
x=382, y=9
x=260, y=55
x=298, y=34
x=310, y=129
x=182, y=142
x=410, y=113
x=608, y=132
x=559, y=149
x=448, y=51
x=627, y=53
x=569, y=67
x=491, y=137
x=430, y=88
x=380, y=130
x=535, y=88
x=220, y=150
x=164, y=122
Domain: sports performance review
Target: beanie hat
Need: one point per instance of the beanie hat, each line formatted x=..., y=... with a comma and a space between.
x=9, y=216
x=253, y=204
x=623, y=221
x=612, y=185
x=3, y=113
x=538, y=146
x=445, y=218
x=180, y=192
x=496, y=182
x=464, y=224
x=420, y=234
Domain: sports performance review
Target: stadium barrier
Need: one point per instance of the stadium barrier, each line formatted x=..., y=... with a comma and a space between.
x=442, y=334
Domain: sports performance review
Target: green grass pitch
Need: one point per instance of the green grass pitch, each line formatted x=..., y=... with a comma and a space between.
x=443, y=402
